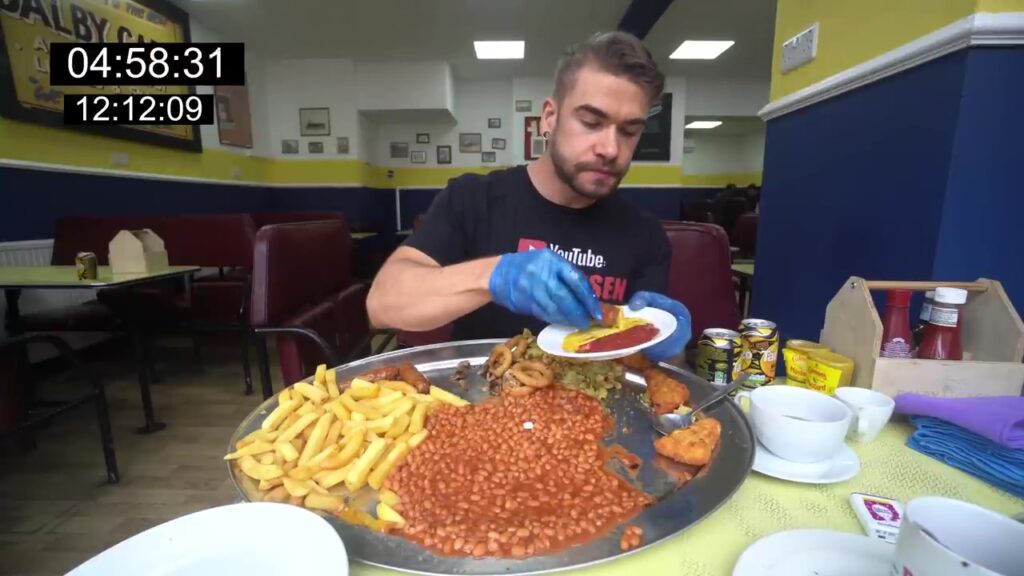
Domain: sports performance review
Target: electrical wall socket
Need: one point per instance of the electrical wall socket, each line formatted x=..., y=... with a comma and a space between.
x=800, y=49
x=119, y=159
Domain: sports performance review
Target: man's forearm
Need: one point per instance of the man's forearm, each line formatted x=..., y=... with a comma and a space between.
x=410, y=295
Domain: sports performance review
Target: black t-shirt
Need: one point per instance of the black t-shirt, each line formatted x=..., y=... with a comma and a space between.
x=619, y=247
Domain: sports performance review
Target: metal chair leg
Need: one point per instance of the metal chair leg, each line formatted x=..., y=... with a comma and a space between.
x=246, y=368
x=263, y=359
x=106, y=436
x=142, y=359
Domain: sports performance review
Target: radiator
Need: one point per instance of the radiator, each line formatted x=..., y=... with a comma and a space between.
x=37, y=253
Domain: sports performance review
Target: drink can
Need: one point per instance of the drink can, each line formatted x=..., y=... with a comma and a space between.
x=717, y=352
x=85, y=265
x=759, y=345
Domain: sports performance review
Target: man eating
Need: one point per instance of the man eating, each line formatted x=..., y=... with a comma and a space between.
x=546, y=242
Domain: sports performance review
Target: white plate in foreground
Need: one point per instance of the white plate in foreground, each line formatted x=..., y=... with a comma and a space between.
x=550, y=338
x=253, y=539
x=841, y=467
x=815, y=553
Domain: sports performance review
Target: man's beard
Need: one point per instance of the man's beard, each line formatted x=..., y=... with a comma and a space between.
x=569, y=173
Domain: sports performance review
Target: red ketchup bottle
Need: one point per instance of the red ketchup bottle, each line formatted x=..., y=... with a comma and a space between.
x=897, y=340
x=942, y=338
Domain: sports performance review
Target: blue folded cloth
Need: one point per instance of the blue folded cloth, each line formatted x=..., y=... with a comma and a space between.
x=980, y=457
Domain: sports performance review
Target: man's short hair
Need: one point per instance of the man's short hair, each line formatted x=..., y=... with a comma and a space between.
x=617, y=53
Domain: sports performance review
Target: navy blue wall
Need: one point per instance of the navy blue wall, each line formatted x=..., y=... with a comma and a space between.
x=31, y=200
x=854, y=185
x=981, y=233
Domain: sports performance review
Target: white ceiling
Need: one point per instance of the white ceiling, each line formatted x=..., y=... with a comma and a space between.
x=413, y=30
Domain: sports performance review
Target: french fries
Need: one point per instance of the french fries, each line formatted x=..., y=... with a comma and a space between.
x=324, y=442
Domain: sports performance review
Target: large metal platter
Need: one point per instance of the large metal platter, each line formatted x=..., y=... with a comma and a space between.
x=677, y=508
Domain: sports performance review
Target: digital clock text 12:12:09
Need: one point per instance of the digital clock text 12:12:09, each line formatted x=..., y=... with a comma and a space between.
x=128, y=109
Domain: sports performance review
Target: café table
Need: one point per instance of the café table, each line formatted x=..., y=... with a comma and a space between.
x=764, y=505
x=14, y=279
x=743, y=270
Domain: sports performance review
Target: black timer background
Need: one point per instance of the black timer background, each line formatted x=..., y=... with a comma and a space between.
x=117, y=111
x=232, y=68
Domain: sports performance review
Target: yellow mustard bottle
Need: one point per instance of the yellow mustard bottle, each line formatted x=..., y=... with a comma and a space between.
x=795, y=353
x=827, y=371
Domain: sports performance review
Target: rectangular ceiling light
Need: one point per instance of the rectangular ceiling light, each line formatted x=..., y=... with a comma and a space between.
x=701, y=49
x=500, y=50
x=703, y=124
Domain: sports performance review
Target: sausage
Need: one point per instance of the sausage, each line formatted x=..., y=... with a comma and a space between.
x=383, y=373
x=609, y=315
x=410, y=375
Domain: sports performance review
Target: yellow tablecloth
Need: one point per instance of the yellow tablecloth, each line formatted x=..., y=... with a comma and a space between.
x=765, y=505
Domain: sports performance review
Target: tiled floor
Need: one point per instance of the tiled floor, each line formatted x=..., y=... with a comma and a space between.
x=56, y=510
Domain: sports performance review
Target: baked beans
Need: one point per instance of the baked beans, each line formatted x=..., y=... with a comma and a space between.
x=514, y=477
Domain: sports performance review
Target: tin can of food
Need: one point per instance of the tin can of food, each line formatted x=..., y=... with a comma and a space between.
x=717, y=352
x=759, y=350
x=85, y=265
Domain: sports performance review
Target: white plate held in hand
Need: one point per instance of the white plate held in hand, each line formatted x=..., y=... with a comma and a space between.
x=551, y=338
x=253, y=539
x=815, y=553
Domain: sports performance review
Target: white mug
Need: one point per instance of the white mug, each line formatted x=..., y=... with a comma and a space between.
x=797, y=424
x=946, y=536
x=871, y=411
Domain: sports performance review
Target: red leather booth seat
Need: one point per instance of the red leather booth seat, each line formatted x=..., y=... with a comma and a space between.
x=700, y=275
x=744, y=235
x=302, y=278
x=219, y=241
x=267, y=218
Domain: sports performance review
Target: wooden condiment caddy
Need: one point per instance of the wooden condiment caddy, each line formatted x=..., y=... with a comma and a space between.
x=991, y=330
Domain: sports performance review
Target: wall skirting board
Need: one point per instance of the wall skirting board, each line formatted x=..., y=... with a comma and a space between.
x=981, y=29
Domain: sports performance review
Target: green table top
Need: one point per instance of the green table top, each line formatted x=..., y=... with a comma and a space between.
x=744, y=268
x=765, y=505
x=65, y=277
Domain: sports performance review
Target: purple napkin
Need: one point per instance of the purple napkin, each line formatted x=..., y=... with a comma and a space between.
x=998, y=418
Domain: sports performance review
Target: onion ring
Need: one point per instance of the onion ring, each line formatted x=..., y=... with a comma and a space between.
x=533, y=374
x=500, y=361
x=518, y=346
x=520, y=391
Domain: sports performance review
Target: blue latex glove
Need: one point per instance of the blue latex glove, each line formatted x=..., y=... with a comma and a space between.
x=675, y=343
x=544, y=285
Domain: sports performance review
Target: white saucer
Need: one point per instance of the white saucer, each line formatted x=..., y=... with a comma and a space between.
x=817, y=553
x=551, y=337
x=255, y=539
x=843, y=466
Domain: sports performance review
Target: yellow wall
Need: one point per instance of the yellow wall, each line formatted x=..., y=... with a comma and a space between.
x=1000, y=6
x=33, y=143
x=854, y=31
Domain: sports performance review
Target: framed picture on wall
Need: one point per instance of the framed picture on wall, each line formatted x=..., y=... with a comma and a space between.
x=418, y=157
x=534, y=144
x=314, y=121
x=342, y=144
x=234, y=125
x=494, y=122
x=470, y=142
x=489, y=157
x=289, y=146
x=422, y=138
x=444, y=154
x=399, y=149
x=524, y=105
x=498, y=143
x=316, y=147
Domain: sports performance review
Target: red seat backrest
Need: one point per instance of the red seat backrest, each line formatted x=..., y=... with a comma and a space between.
x=744, y=234
x=700, y=275
x=298, y=266
x=267, y=218
x=217, y=240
